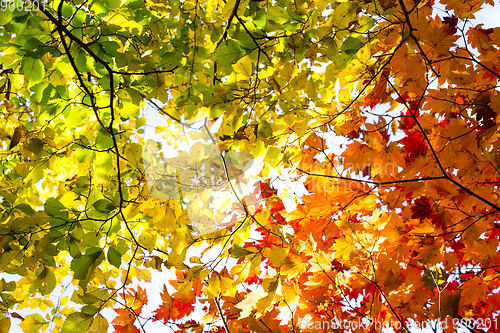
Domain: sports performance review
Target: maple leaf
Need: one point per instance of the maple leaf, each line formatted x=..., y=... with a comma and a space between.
x=125, y=317
x=136, y=299
x=415, y=145
x=408, y=121
x=479, y=37
x=173, y=308
x=358, y=156
x=487, y=118
x=254, y=279
x=473, y=290
x=266, y=190
x=180, y=309
x=126, y=329
x=422, y=208
x=344, y=248
x=451, y=21
x=251, y=302
x=377, y=95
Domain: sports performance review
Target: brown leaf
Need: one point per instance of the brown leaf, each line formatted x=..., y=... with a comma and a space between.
x=19, y=136
x=16, y=315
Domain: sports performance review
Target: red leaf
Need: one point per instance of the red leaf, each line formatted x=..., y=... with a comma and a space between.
x=415, y=145
x=266, y=190
x=174, y=308
x=452, y=24
x=422, y=208
x=254, y=279
x=487, y=118
x=126, y=329
x=408, y=122
x=467, y=275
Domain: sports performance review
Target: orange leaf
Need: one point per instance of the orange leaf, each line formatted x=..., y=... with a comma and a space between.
x=474, y=290
x=125, y=317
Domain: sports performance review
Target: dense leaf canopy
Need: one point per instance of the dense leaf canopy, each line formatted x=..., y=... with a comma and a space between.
x=385, y=110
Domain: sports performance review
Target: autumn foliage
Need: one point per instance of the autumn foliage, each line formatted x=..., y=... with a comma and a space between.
x=386, y=111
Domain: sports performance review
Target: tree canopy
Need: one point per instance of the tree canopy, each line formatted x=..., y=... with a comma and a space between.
x=386, y=110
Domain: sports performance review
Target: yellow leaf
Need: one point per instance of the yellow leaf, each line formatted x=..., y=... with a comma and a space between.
x=32, y=323
x=343, y=249
x=126, y=22
x=133, y=153
x=140, y=274
x=227, y=286
x=244, y=67
x=195, y=260
x=147, y=239
x=271, y=285
x=292, y=266
x=183, y=220
x=214, y=287
x=250, y=301
x=5, y=325
x=394, y=126
x=241, y=272
x=99, y=324
x=319, y=262
x=278, y=256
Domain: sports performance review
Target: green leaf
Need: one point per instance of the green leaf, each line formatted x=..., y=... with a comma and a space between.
x=67, y=10
x=26, y=209
x=84, y=62
x=103, y=206
x=170, y=60
x=53, y=207
x=34, y=48
x=77, y=323
x=45, y=281
x=83, y=266
x=114, y=257
x=278, y=14
x=260, y=19
x=39, y=90
x=110, y=47
x=349, y=48
x=228, y=53
x=103, y=140
x=129, y=111
x=112, y=4
x=351, y=45
x=82, y=154
x=239, y=252
x=89, y=309
x=5, y=16
x=34, y=69
x=35, y=146
x=266, y=129
x=10, y=286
